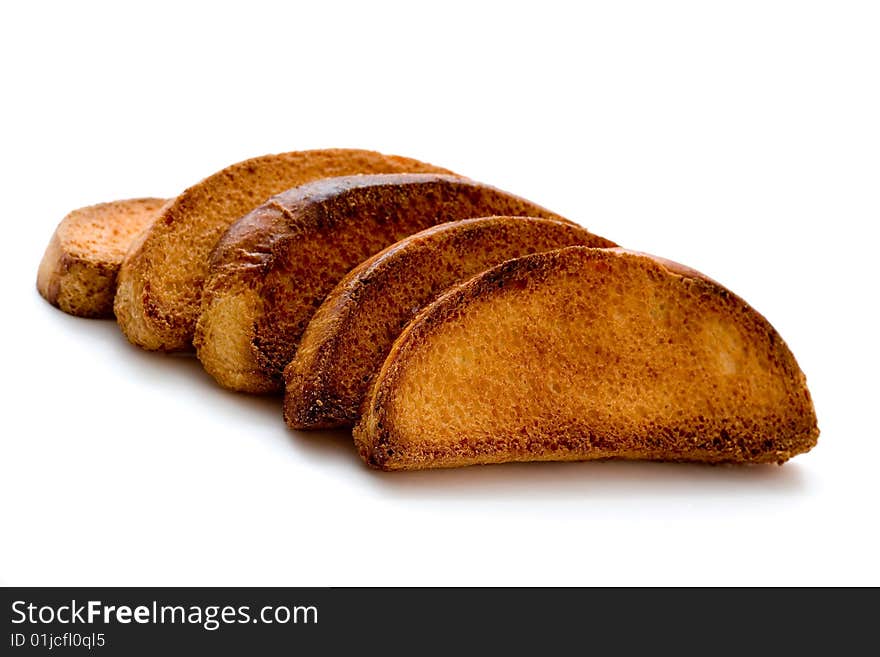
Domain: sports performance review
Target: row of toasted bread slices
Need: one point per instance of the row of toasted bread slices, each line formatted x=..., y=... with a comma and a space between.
x=453, y=322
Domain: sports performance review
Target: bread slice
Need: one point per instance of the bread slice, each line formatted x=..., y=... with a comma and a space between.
x=274, y=267
x=351, y=333
x=583, y=354
x=79, y=268
x=160, y=284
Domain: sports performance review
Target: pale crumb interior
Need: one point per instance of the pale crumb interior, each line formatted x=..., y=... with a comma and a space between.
x=104, y=232
x=619, y=352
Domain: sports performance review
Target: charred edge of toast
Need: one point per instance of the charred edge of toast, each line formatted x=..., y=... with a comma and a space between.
x=268, y=231
x=261, y=233
x=378, y=450
x=319, y=402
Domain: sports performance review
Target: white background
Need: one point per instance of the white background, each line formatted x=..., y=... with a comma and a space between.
x=740, y=138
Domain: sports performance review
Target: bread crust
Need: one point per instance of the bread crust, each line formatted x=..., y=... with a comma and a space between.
x=274, y=267
x=161, y=279
x=349, y=336
x=81, y=263
x=747, y=424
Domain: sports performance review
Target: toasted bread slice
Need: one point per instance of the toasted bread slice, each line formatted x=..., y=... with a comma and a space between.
x=581, y=354
x=79, y=268
x=274, y=267
x=160, y=283
x=351, y=333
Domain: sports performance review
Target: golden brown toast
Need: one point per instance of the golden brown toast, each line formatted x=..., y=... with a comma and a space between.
x=351, y=333
x=160, y=283
x=273, y=268
x=81, y=263
x=581, y=354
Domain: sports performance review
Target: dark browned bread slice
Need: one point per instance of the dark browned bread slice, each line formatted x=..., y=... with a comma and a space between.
x=351, y=333
x=79, y=269
x=160, y=283
x=582, y=354
x=274, y=267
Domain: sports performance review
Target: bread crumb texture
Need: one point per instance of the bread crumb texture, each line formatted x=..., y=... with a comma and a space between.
x=79, y=269
x=351, y=333
x=583, y=354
